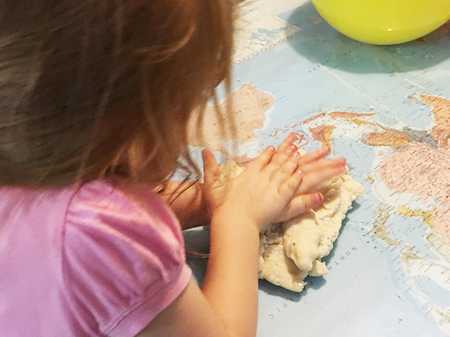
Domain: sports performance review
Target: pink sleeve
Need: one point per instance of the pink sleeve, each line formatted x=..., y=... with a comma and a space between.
x=124, y=259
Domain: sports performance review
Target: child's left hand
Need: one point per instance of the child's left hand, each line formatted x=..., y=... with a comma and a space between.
x=186, y=201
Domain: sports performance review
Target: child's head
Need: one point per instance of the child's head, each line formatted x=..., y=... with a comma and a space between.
x=89, y=88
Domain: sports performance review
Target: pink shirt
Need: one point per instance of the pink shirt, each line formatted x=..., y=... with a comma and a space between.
x=91, y=261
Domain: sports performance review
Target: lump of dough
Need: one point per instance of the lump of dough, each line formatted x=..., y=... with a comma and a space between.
x=292, y=251
x=275, y=266
x=319, y=269
x=301, y=241
x=309, y=238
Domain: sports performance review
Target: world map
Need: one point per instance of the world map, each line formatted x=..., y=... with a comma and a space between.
x=387, y=110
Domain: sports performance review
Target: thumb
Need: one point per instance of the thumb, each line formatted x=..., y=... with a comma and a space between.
x=302, y=204
x=210, y=167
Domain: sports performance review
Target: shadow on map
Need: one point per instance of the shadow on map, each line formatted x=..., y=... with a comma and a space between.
x=320, y=43
x=312, y=283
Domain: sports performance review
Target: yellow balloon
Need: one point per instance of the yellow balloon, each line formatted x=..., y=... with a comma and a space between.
x=384, y=22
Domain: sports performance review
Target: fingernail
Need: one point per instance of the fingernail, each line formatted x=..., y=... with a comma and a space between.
x=319, y=198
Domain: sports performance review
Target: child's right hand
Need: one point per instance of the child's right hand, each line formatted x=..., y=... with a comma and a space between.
x=261, y=193
x=268, y=190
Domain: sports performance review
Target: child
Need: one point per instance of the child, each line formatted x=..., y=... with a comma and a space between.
x=95, y=99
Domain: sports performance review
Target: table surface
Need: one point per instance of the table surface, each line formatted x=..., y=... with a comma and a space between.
x=387, y=110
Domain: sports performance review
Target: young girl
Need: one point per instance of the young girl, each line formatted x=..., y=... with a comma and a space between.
x=95, y=97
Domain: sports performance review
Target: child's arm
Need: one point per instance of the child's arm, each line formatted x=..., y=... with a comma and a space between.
x=227, y=305
x=262, y=194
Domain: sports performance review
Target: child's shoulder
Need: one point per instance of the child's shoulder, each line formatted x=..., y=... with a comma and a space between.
x=125, y=242
x=115, y=202
x=123, y=216
x=120, y=217
x=96, y=203
x=114, y=252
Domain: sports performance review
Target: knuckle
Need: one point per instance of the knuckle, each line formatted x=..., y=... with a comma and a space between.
x=282, y=189
x=281, y=157
x=291, y=183
x=294, y=183
x=292, y=164
x=289, y=167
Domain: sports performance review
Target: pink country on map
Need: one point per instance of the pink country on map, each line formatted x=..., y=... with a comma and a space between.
x=423, y=169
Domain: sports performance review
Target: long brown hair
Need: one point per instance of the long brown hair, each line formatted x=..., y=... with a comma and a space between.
x=91, y=88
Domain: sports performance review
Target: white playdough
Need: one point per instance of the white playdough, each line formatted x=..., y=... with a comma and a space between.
x=310, y=237
x=291, y=251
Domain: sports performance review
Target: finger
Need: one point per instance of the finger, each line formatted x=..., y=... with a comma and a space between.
x=315, y=155
x=313, y=180
x=281, y=157
x=284, y=147
x=303, y=204
x=210, y=166
x=290, y=186
x=323, y=164
x=263, y=160
x=290, y=166
x=288, y=141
